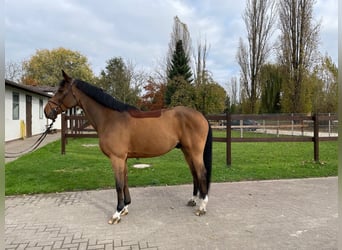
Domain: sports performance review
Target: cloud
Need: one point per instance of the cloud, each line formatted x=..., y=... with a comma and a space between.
x=326, y=12
x=138, y=30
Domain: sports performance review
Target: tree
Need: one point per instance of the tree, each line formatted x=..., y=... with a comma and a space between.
x=183, y=95
x=325, y=91
x=179, y=32
x=210, y=97
x=178, y=70
x=13, y=71
x=215, y=98
x=44, y=68
x=180, y=64
x=271, y=77
x=233, y=97
x=197, y=90
x=202, y=77
x=153, y=99
x=259, y=17
x=298, y=44
x=179, y=76
x=117, y=80
x=201, y=72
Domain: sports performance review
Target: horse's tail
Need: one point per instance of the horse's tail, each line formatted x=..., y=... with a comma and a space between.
x=207, y=155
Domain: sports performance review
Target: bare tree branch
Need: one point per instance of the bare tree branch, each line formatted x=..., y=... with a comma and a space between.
x=13, y=71
x=298, y=47
x=259, y=18
x=180, y=32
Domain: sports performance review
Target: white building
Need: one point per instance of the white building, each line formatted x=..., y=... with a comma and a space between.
x=24, y=111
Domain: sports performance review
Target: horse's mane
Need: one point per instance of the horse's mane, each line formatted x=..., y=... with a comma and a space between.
x=102, y=97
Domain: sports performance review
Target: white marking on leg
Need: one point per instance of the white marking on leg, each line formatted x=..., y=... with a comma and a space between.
x=116, y=215
x=203, y=206
x=124, y=211
x=115, y=218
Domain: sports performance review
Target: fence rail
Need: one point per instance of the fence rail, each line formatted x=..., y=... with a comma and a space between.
x=75, y=126
x=295, y=121
x=285, y=127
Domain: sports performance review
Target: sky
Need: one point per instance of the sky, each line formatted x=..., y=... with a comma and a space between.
x=140, y=30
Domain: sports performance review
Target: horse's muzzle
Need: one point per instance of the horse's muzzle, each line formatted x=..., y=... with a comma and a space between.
x=50, y=114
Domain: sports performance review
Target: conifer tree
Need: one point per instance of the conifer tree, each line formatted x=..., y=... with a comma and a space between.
x=179, y=74
x=180, y=64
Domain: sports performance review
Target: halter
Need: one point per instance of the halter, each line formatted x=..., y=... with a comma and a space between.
x=60, y=105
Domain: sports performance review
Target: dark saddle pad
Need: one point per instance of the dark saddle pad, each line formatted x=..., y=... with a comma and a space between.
x=145, y=114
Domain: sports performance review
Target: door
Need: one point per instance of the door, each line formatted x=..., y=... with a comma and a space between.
x=28, y=115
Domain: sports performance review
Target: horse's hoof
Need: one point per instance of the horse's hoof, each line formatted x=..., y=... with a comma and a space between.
x=191, y=203
x=114, y=220
x=200, y=212
x=124, y=211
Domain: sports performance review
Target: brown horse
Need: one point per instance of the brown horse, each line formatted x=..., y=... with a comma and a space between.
x=125, y=132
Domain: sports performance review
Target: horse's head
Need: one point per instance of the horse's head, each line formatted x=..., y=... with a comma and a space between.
x=62, y=100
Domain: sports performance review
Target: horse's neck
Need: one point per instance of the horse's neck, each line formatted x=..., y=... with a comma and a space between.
x=95, y=112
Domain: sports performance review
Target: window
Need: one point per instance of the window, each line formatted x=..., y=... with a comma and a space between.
x=15, y=107
x=40, y=109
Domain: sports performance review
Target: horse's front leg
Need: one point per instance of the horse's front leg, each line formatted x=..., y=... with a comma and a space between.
x=123, y=197
x=127, y=196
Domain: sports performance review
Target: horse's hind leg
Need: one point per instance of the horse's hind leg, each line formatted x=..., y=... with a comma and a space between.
x=192, y=201
x=203, y=187
x=198, y=172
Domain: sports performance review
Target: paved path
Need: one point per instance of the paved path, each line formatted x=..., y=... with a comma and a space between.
x=285, y=214
x=22, y=145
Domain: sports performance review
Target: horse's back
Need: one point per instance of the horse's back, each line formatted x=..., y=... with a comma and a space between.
x=153, y=136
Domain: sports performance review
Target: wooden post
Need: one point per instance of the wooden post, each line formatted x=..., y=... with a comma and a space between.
x=228, y=140
x=316, y=137
x=64, y=131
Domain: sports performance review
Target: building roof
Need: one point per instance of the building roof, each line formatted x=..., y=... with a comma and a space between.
x=32, y=89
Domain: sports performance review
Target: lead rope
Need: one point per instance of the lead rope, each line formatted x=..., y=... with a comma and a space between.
x=33, y=147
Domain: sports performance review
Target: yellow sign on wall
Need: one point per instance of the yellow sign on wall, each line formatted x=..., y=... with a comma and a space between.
x=22, y=129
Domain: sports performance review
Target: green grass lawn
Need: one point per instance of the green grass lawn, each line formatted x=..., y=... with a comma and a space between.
x=84, y=167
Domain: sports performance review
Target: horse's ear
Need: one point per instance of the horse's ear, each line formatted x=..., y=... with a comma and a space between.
x=66, y=77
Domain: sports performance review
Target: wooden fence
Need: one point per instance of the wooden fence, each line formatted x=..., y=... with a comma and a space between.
x=75, y=126
x=285, y=127
x=295, y=122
